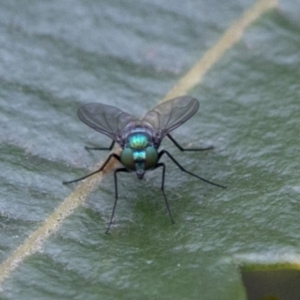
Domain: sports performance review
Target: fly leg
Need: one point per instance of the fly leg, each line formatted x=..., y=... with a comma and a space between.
x=161, y=153
x=101, y=148
x=187, y=149
x=163, y=189
x=116, y=196
x=115, y=178
x=117, y=157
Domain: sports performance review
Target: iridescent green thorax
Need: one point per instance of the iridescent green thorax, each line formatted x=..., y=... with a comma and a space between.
x=138, y=141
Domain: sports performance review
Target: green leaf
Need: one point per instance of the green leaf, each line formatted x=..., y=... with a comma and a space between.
x=58, y=55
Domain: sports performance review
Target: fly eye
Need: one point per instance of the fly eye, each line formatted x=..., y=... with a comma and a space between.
x=127, y=159
x=151, y=157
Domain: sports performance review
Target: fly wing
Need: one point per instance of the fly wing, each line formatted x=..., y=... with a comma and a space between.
x=106, y=119
x=171, y=114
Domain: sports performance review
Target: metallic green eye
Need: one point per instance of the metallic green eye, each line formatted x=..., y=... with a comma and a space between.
x=151, y=157
x=127, y=159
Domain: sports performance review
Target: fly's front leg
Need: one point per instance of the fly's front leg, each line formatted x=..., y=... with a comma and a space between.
x=161, y=153
x=163, y=189
x=116, y=197
x=112, y=155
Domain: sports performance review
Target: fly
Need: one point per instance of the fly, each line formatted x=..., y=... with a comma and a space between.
x=140, y=139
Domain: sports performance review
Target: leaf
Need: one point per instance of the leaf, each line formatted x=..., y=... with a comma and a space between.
x=56, y=56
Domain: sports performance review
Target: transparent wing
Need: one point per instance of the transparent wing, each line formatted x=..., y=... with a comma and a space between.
x=171, y=114
x=106, y=119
